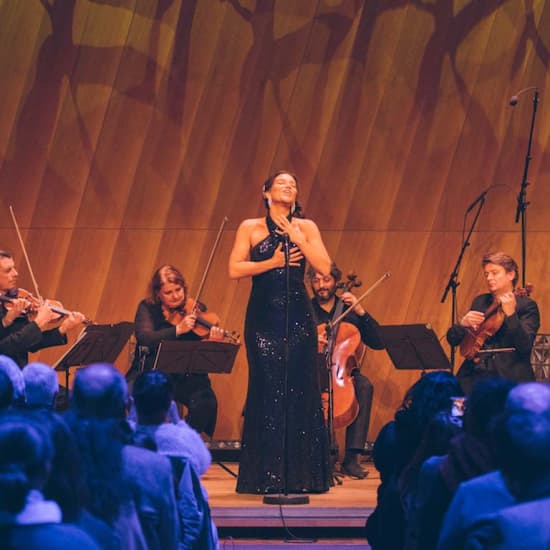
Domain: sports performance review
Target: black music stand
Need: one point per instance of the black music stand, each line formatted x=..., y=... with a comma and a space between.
x=198, y=357
x=95, y=344
x=414, y=347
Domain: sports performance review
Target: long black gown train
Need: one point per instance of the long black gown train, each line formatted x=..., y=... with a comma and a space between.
x=262, y=464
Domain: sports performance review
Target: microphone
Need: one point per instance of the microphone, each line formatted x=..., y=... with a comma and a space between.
x=476, y=202
x=515, y=98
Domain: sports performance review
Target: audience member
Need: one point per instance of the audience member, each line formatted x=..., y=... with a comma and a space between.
x=187, y=452
x=27, y=520
x=523, y=453
x=524, y=525
x=470, y=454
x=65, y=485
x=41, y=386
x=395, y=447
x=154, y=403
x=112, y=465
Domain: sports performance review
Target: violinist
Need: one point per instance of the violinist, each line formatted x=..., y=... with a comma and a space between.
x=166, y=314
x=26, y=323
x=512, y=327
x=324, y=303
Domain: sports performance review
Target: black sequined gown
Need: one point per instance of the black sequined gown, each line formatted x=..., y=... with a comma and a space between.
x=262, y=462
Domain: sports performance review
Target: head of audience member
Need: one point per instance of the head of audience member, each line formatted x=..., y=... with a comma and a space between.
x=484, y=404
x=529, y=397
x=523, y=452
x=100, y=392
x=152, y=394
x=25, y=461
x=10, y=367
x=6, y=391
x=41, y=386
x=429, y=395
x=522, y=435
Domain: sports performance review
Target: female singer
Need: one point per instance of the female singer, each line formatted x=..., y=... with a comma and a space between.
x=284, y=444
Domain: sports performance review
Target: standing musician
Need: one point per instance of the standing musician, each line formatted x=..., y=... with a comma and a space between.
x=512, y=326
x=324, y=303
x=166, y=314
x=26, y=322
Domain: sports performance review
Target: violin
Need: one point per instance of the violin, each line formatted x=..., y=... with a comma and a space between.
x=344, y=359
x=204, y=320
x=494, y=317
x=34, y=304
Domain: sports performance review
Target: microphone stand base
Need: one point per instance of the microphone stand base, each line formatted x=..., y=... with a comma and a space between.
x=286, y=499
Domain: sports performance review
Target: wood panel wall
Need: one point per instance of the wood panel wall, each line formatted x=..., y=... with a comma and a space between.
x=130, y=128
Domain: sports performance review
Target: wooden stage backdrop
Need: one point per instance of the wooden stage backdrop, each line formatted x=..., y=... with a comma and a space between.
x=130, y=128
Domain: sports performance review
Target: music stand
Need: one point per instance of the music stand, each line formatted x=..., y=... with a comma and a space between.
x=414, y=347
x=196, y=357
x=95, y=344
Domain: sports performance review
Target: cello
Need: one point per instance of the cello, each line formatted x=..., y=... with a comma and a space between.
x=343, y=344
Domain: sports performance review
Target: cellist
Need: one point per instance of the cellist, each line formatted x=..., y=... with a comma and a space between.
x=325, y=303
x=519, y=320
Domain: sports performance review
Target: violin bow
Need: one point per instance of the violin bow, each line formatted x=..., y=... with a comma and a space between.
x=362, y=297
x=209, y=263
x=35, y=284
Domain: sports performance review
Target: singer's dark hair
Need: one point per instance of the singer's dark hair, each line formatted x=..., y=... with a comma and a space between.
x=297, y=213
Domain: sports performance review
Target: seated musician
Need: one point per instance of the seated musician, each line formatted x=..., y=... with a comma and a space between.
x=325, y=304
x=26, y=326
x=163, y=316
x=513, y=327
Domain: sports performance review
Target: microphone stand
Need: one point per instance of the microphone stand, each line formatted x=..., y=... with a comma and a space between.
x=453, y=279
x=333, y=449
x=285, y=498
x=522, y=202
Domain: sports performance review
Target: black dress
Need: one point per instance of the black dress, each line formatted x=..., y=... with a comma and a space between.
x=270, y=411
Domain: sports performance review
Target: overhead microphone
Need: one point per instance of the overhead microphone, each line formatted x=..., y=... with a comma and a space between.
x=515, y=98
x=477, y=201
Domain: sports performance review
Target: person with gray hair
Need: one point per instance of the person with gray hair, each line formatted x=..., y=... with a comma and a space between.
x=522, y=437
x=9, y=366
x=41, y=386
x=139, y=480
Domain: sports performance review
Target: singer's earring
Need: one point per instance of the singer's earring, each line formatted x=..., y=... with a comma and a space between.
x=293, y=208
x=268, y=202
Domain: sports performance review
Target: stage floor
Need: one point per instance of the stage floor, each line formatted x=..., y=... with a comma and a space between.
x=339, y=513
